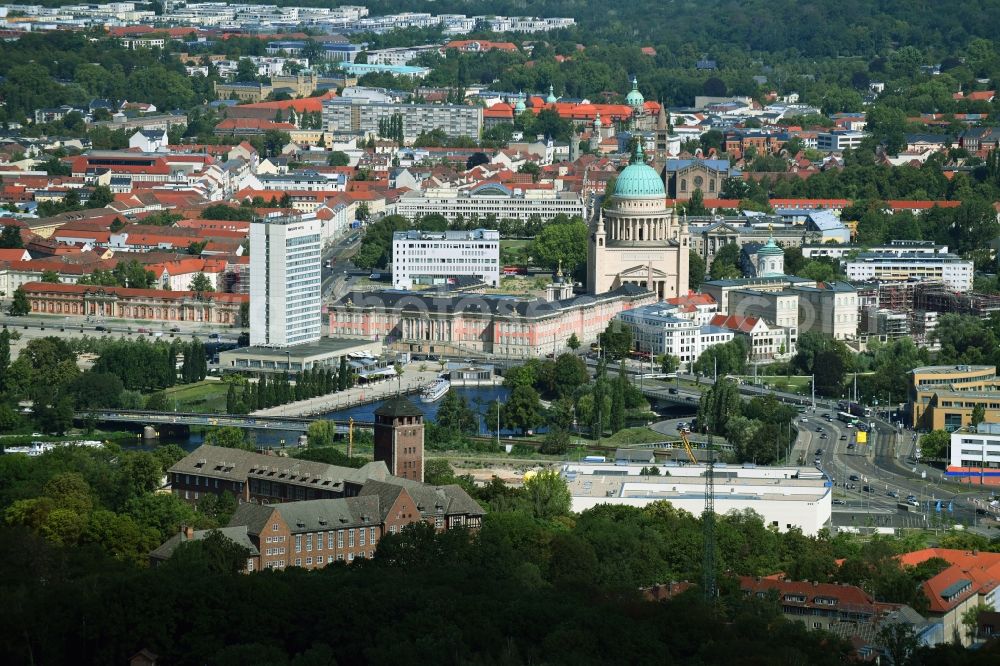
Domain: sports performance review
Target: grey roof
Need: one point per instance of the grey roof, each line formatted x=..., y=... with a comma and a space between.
x=237, y=534
x=237, y=465
x=328, y=514
x=451, y=499
x=635, y=455
x=825, y=220
x=470, y=304
x=398, y=406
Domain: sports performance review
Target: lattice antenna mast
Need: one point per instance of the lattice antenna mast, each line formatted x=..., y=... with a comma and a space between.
x=708, y=585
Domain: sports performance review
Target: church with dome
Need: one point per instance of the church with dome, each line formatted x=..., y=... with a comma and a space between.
x=636, y=239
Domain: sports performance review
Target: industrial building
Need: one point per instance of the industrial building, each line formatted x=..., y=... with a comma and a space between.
x=358, y=116
x=786, y=497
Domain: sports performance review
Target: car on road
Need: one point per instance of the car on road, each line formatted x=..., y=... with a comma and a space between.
x=804, y=420
x=817, y=462
x=175, y=329
x=672, y=391
x=843, y=437
x=839, y=501
x=868, y=489
x=819, y=452
x=214, y=336
x=850, y=486
x=892, y=493
x=854, y=477
x=850, y=446
x=100, y=328
x=690, y=398
x=913, y=502
x=911, y=498
x=824, y=436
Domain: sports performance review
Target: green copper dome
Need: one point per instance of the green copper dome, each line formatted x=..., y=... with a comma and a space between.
x=770, y=249
x=635, y=98
x=520, y=107
x=551, y=99
x=639, y=180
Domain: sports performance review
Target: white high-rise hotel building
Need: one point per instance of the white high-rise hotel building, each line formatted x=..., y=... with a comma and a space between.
x=285, y=281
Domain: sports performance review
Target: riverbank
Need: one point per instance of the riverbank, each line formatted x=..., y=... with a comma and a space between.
x=412, y=382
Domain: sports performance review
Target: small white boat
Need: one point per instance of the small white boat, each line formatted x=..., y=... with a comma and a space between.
x=435, y=390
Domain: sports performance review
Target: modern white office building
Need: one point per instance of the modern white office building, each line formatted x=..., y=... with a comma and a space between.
x=785, y=497
x=659, y=329
x=432, y=257
x=955, y=272
x=490, y=199
x=285, y=281
x=976, y=449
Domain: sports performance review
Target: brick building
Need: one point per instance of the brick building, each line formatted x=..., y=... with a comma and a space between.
x=80, y=300
x=314, y=533
x=399, y=438
x=250, y=476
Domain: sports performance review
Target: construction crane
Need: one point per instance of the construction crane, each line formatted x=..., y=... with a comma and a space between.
x=708, y=584
x=687, y=446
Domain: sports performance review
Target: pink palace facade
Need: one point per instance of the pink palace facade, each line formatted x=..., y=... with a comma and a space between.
x=460, y=323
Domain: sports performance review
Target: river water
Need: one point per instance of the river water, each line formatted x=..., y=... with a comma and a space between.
x=477, y=397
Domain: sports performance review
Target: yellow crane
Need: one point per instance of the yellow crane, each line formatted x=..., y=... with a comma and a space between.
x=687, y=446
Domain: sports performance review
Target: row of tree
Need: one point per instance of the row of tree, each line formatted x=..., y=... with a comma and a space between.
x=270, y=391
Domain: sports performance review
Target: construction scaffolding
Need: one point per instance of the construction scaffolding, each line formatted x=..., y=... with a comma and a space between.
x=936, y=298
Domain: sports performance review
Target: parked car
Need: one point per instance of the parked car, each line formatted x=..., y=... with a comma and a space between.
x=843, y=437
x=854, y=477
x=96, y=328
x=839, y=501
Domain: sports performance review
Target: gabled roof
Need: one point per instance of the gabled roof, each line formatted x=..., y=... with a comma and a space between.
x=236, y=534
x=735, y=322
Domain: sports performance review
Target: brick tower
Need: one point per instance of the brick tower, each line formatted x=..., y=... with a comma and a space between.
x=399, y=438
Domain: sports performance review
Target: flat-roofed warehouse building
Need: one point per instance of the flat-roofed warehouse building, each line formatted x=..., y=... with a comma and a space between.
x=786, y=497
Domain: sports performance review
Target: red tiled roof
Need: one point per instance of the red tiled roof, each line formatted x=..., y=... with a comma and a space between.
x=123, y=292
x=309, y=104
x=252, y=124
x=692, y=299
x=484, y=45
x=735, y=322
x=900, y=204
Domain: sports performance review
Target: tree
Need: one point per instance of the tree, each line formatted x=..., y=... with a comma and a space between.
x=10, y=237
x=573, y=342
x=50, y=276
x=696, y=204
x=696, y=270
x=338, y=158
x=616, y=340
x=568, y=373
x=454, y=415
x=321, y=433
x=978, y=414
x=216, y=553
x=935, y=444
x=4, y=359
x=718, y=404
x=668, y=363
x=229, y=437
x=200, y=283
x=19, y=305
x=900, y=641
x=561, y=244
x=96, y=390
x=546, y=495
x=523, y=410
x=970, y=619
x=829, y=370
x=100, y=197
x=726, y=263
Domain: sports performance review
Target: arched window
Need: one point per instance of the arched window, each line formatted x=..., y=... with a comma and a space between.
x=684, y=185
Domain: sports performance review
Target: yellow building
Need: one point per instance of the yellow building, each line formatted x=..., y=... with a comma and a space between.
x=943, y=396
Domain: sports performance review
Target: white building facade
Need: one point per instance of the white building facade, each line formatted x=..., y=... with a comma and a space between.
x=658, y=329
x=434, y=256
x=492, y=199
x=285, y=281
x=976, y=447
x=785, y=497
x=955, y=272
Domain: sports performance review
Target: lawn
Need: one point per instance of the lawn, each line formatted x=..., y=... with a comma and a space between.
x=793, y=383
x=208, y=397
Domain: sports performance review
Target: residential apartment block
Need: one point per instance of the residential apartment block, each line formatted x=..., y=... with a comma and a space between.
x=955, y=272
x=431, y=257
x=285, y=267
x=357, y=116
x=492, y=201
